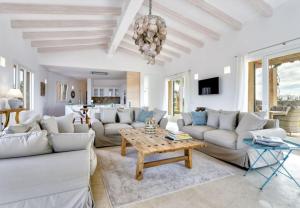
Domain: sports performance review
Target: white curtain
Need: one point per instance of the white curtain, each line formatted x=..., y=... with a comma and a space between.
x=241, y=90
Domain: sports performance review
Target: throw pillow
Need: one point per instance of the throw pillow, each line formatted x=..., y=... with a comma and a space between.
x=213, y=118
x=158, y=115
x=187, y=118
x=250, y=122
x=108, y=115
x=261, y=114
x=144, y=115
x=24, y=144
x=17, y=128
x=199, y=118
x=136, y=112
x=124, y=116
x=49, y=124
x=227, y=120
x=65, y=123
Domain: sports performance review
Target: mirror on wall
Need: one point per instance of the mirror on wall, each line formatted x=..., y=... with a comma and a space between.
x=61, y=91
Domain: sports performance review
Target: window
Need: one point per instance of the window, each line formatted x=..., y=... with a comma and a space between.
x=24, y=80
x=255, y=86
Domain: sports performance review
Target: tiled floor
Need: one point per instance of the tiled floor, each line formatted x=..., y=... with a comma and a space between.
x=235, y=191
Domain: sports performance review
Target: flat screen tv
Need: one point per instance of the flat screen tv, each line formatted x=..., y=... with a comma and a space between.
x=208, y=86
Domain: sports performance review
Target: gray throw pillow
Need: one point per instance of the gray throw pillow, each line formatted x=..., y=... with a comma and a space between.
x=49, y=124
x=250, y=122
x=108, y=115
x=259, y=114
x=65, y=123
x=227, y=120
x=124, y=116
x=213, y=118
x=158, y=115
x=187, y=118
x=24, y=144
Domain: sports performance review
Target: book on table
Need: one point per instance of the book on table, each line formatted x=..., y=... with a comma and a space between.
x=178, y=135
x=268, y=141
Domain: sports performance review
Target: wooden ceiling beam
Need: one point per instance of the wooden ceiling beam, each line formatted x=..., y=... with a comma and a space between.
x=67, y=42
x=66, y=34
x=185, y=21
x=217, y=13
x=71, y=48
x=104, y=24
x=18, y=8
x=185, y=37
x=131, y=9
x=262, y=7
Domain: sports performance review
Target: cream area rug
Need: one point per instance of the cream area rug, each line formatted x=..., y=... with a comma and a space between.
x=118, y=174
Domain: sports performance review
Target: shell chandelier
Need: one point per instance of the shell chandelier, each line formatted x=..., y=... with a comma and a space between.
x=150, y=33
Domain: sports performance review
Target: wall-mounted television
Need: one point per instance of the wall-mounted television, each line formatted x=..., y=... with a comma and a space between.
x=208, y=86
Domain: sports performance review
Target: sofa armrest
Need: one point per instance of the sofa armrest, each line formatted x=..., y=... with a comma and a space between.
x=81, y=128
x=272, y=123
x=276, y=132
x=98, y=127
x=163, y=123
x=180, y=124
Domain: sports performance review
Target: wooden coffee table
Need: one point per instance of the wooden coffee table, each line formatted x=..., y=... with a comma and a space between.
x=146, y=144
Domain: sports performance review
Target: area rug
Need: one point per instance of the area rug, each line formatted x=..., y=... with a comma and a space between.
x=119, y=175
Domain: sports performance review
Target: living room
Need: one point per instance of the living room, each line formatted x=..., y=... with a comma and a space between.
x=106, y=85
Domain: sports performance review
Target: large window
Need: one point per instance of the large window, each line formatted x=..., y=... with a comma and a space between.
x=24, y=80
x=255, y=86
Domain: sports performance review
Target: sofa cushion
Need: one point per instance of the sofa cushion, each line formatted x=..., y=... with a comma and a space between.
x=49, y=124
x=138, y=125
x=114, y=128
x=250, y=122
x=65, y=123
x=223, y=138
x=199, y=118
x=108, y=115
x=17, y=128
x=144, y=115
x=213, y=118
x=187, y=118
x=259, y=114
x=228, y=120
x=196, y=132
x=158, y=115
x=124, y=116
x=24, y=144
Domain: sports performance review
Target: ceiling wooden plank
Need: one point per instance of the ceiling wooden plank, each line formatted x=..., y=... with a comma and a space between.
x=129, y=13
x=104, y=24
x=67, y=42
x=18, y=8
x=66, y=34
x=217, y=13
x=71, y=48
x=137, y=54
x=185, y=21
x=262, y=7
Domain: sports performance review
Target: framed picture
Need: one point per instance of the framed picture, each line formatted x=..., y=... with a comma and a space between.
x=43, y=88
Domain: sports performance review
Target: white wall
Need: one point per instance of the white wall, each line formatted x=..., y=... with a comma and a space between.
x=210, y=60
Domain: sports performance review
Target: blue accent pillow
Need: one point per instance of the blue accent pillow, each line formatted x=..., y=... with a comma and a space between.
x=144, y=115
x=199, y=118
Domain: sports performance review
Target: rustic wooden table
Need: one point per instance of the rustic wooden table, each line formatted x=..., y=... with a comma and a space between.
x=7, y=113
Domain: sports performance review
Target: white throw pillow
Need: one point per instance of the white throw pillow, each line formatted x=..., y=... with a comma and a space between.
x=158, y=115
x=250, y=122
x=65, y=123
x=49, y=124
x=124, y=116
x=24, y=144
x=227, y=120
x=187, y=118
x=108, y=115
x=64, y=142
x=213, y=118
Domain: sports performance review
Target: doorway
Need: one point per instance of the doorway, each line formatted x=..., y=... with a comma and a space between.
x=175, y=97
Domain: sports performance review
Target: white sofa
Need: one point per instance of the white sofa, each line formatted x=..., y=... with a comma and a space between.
x=56, y=179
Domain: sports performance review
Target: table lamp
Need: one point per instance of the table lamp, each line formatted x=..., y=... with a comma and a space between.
x=15, y=98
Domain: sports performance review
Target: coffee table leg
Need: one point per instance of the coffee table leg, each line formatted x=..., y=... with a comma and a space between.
x=188, y=161
x=123, y=147
x=139, y=166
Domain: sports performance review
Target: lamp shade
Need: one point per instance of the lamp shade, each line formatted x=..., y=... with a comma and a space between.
x=14, y=93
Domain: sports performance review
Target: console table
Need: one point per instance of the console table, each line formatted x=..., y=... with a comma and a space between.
x=7, y=113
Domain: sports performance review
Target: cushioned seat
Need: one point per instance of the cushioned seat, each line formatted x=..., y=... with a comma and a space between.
x=138, y=125
x=197, y=132
x=223, y=138
x=114, y=128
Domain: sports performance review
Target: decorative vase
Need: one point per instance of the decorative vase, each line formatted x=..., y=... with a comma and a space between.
x=15, y=103
x=150, y=126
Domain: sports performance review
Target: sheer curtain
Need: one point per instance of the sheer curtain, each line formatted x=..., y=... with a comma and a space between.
x=241, y=90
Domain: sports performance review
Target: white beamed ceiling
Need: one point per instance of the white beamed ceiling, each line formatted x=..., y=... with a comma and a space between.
x=61, y=26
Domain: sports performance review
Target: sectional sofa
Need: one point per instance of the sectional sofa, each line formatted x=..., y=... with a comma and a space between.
x=224, y=135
